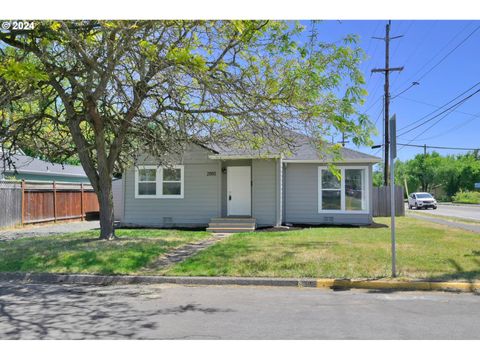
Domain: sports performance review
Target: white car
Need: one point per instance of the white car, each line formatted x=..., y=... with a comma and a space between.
x=421, y=200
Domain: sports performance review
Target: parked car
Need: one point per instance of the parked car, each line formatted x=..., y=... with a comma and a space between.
x=421, y=200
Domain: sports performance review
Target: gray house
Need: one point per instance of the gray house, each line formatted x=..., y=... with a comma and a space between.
x=236, y=190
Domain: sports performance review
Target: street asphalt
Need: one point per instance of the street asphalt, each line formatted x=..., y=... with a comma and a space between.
x=30, y=311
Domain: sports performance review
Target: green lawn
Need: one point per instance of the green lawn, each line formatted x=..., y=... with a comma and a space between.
x=83, y=253
x=425, y=250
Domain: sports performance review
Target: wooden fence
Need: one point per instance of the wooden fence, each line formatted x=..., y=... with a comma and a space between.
x=381, y=201
x=40, y=201
x=10, y=203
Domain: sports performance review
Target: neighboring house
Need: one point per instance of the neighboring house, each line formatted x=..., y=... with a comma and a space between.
x=235, y=190
x=29, y=168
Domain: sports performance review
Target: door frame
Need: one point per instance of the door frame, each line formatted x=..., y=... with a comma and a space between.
x=228, y=190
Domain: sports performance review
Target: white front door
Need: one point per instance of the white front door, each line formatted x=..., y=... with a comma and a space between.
x=239, y=190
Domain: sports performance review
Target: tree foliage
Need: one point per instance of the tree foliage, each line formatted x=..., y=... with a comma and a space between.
x=453, y=173
x=106, y=91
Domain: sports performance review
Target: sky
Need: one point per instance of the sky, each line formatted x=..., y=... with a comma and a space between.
x=424, y=43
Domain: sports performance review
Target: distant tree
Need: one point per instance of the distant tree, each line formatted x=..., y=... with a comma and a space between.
x=378, y=177
x=109, y=90
x=425, y=169
x=459, y=172
x=451, y=172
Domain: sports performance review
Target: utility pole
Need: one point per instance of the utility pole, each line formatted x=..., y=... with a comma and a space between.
x=344, y=140
x=387, y=71
x=424, y=150
x=393, y=155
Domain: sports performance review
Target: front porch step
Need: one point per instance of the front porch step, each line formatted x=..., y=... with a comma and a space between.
x=229, y=230
x=236, y=220
x=231, y=225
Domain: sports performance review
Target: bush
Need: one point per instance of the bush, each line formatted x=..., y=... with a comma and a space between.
x=467, y=197
x=444, y=198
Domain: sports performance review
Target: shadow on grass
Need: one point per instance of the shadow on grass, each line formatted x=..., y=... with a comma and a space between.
x=131, y=227
x=84, y=255
x=375, y=225
x=84, y=312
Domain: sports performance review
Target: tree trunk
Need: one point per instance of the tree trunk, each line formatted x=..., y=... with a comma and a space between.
x=105, y=202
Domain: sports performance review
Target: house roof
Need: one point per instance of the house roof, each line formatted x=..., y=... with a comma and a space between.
x=304, y=150
x=29, y=165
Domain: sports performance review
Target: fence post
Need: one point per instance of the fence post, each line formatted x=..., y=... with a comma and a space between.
x=23, y=201
x=81, y=202
x=54, y=185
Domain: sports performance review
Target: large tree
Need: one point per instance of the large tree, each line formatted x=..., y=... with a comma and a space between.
x=109, y=90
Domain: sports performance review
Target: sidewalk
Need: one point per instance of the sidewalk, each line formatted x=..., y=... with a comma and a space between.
x=458, y=204
x=46, y=230
x=458, y=225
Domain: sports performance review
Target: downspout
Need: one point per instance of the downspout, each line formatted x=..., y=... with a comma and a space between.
x=279, y=218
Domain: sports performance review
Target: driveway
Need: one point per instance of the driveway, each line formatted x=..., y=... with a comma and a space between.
x=50, y=229
x=191, y=312
x=468, y=212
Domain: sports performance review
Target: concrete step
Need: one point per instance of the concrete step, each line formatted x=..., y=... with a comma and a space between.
x=231, y=225
x=230, y=229
x=230, y=220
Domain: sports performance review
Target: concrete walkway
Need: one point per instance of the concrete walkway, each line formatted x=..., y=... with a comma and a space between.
x=458, y=225
x=50, y=229
x=184, y=252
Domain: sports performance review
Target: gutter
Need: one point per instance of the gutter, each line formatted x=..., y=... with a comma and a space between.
x=356, y=161
x=241, y=157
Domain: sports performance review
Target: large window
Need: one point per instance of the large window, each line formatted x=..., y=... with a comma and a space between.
x=331, y=191
x=159, y=182
x=347, y=194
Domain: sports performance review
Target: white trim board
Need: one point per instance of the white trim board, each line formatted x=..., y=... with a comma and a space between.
x=159, y=182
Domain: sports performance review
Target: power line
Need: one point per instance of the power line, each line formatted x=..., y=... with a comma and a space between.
x=396, y=75
x=439, y=147
x=416, y=48
x=452, y=129
x=438, y=53
x=449, y=53
x=435, y=106
x=457, y=104
x=378, y=117
x=436, y=122
x=405, y=90
x=434, y=111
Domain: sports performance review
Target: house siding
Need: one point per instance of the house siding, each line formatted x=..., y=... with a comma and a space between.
x=301, y=197
x=264, y=206
x=201, y=199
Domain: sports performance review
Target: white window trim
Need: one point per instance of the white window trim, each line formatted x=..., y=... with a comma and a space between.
x=342, y=191
x=159, y=183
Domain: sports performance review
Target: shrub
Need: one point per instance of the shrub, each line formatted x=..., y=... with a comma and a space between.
x=467, y=197
x=443, y=198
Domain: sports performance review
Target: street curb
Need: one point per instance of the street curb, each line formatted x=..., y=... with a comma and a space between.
x=152, y=279
x=399, y=285
x=385, y=285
